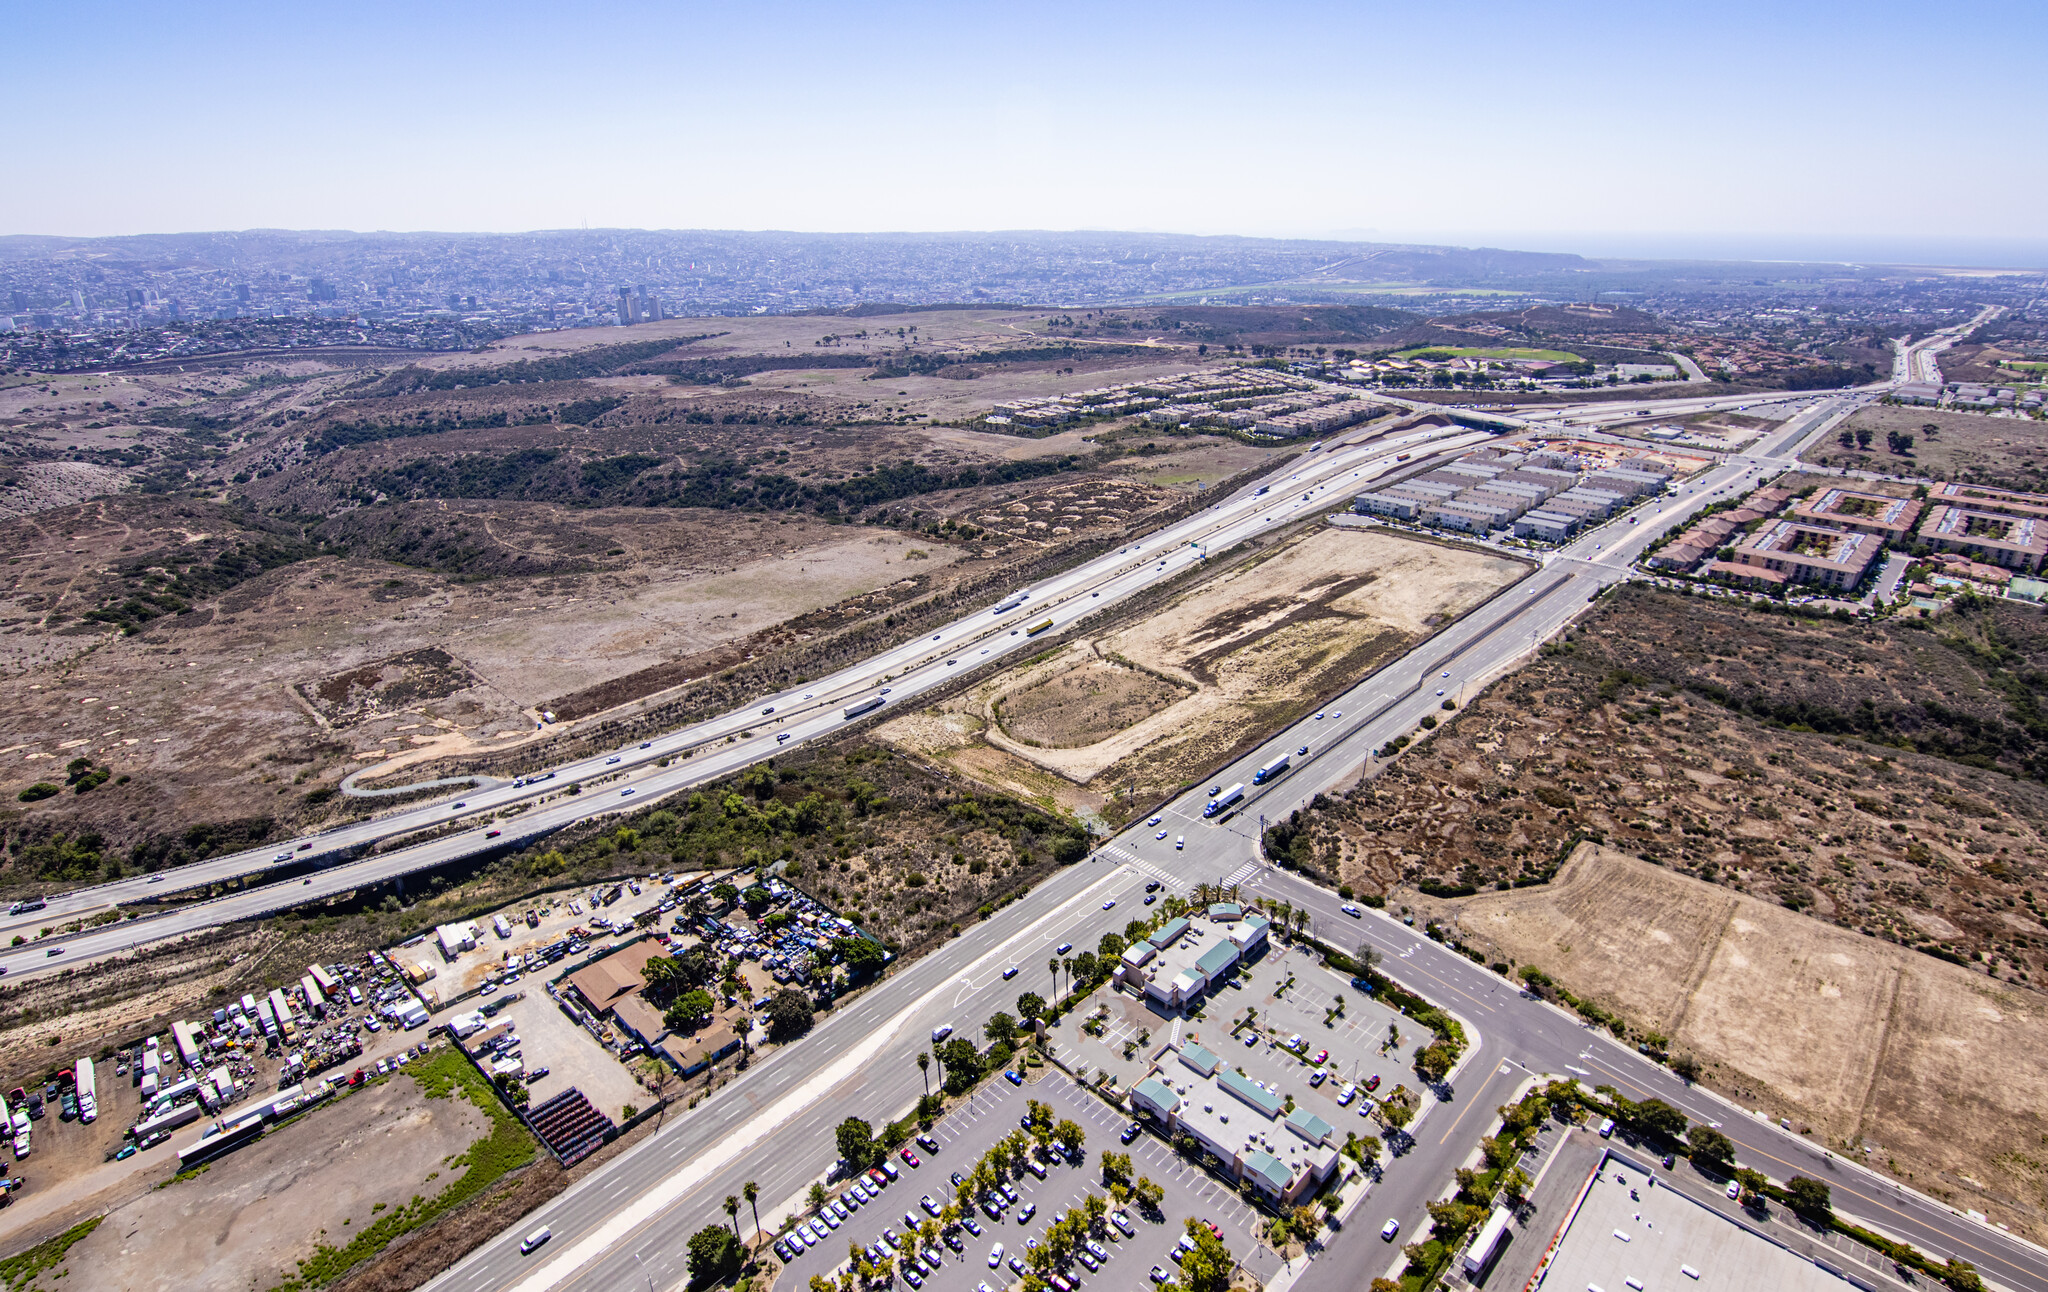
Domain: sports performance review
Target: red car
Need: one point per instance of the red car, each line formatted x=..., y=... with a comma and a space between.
x=1373, y=1082
x=910, y=1157
x=877, y=1179
x=1322, y=1056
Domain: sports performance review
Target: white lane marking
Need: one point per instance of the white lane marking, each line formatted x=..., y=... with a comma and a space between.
x=751, y=1134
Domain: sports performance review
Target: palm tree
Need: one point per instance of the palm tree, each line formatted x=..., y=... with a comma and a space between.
x=1068, y=965
x=924, y=1066
x=1053, y=966
x=752, y=1193
x=732, y=1213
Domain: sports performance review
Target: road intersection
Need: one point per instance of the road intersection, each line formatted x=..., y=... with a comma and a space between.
x=772, y=1125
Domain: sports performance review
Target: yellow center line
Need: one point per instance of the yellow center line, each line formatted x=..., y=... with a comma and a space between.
x=1475, y=1102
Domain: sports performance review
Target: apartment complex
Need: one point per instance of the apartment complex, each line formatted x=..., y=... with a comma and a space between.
x=1993, y=537
x=1890, y=519
x=1786, y=551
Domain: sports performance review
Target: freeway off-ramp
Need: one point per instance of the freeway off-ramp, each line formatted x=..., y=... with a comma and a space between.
x=772, y=1125
x=630, y=778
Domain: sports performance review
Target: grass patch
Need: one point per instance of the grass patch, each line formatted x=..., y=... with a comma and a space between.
x=441, y=1075
x=1479, y=352
x=20, y=1271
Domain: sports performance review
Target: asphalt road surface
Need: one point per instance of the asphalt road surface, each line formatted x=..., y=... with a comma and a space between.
x=631, y=777
x=773, y=1124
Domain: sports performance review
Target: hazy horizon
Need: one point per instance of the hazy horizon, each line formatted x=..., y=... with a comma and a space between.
x=1820, y=131
x=2018, y=255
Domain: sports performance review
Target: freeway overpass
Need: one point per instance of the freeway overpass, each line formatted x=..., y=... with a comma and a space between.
x=772, y=1125
x=511, y=814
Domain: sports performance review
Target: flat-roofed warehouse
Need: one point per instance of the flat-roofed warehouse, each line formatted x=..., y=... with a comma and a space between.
x=1627, y=1233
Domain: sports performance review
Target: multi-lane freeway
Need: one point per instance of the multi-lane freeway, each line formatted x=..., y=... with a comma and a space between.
x=512, y=813
x=772, y=1125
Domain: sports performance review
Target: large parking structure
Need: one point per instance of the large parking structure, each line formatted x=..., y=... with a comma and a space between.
x=995, y=1110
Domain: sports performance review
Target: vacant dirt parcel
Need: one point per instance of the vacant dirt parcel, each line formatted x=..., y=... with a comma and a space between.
x=253, y=1214
x=1937, y=1070
x=1163, y=698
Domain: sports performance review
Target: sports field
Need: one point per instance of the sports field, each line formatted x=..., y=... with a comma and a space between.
x=1476, y=352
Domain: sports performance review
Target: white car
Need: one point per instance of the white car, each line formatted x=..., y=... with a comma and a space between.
x=995, y=1256
x=1388, y=1230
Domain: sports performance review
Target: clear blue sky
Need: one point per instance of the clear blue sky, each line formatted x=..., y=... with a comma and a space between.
x=1787, y=128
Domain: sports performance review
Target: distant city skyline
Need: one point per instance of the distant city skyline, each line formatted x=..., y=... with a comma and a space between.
x=1821, y=131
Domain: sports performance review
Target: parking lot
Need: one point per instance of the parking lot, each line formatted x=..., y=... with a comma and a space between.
x=1356, y=1038
x=995, y=1111
x=571, y=1055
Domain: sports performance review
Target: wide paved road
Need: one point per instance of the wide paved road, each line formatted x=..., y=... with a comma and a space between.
x=773, y=1124
x=633, y=776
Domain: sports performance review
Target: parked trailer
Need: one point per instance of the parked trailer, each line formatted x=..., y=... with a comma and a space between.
x=315, y=1000
x=1272, y=770
x=329, y=984
x=281, y=1009
x=1038, y=628
x=88, y=1094
x=1225, y=801
x=171, y=1094
x=218, y=1139
x=501, y=926
x=1483, y=1249
x=868, y=705
x=182, y=1115
x=186, y=1038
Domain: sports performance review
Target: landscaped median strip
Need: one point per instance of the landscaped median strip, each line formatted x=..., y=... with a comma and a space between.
x=751, y=1134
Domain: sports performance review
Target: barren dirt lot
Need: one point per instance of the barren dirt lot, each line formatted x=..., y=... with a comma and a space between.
x=245, y=1221
x=1978, y=448
x=1804, y=1020
x=259, y=696
x=1221, y=664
